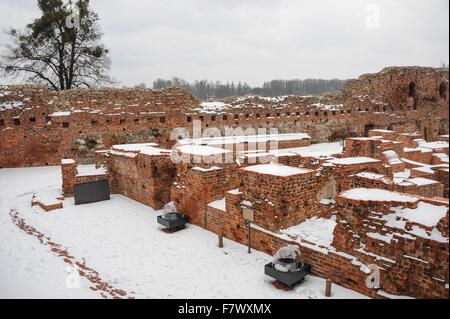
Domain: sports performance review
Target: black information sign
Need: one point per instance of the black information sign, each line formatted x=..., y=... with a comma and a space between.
x=91, y=192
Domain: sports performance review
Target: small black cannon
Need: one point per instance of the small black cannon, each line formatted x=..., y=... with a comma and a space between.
x=173, y=221
x=288, y=271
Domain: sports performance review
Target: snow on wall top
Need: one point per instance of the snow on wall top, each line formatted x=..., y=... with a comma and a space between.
x=145, y=148
x=425, y=214
x=372, y=194
x=315, y=230
x=90, y=170
x=253, y=154
x=433, y=145
x=400, y=178
x=218, y=204
x=246, y=138
x=421, y=149
x=67, y=161
x=201, y=150
x=214, y=106
x=421, y=181
x=392, y=157
x=60, y=114
x=10, y=105
x=276, y=170
x=411, y=134
x=314, y=150
x=101, y=100
x=365, y=138
x=276, y=102
x=382, y=131
x=206, y=170
x=374, y=176
x=442, y=156
x=352, y=160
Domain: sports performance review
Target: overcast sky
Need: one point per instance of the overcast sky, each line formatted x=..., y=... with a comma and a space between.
x=260, y=40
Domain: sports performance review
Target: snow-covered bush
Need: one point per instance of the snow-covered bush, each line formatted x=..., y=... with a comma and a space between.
x=168, y=208
x=288, y=251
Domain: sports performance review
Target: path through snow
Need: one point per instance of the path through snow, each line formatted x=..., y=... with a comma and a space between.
x=122, y=241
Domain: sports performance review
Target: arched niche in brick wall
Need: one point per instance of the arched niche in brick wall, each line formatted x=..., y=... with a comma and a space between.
x=443, y=127
x=367, y=128
x=412, y=89
x=443, y=91
x=328, y=191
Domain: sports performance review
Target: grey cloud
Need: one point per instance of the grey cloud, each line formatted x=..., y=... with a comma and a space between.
x=259, y=40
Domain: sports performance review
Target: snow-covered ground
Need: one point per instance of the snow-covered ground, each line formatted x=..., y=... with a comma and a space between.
x=121, y=241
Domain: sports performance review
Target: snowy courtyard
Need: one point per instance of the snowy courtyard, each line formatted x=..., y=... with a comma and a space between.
x=120, y=243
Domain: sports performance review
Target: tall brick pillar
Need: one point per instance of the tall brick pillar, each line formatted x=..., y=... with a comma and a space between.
x=69, y=172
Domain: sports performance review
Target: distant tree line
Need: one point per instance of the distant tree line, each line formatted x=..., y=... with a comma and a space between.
x=205, y=89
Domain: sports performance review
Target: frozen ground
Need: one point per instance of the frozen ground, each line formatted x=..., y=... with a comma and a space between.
x=121, y=241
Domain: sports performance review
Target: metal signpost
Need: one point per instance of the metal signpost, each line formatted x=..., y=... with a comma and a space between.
x=249, y=244
x=248, y=215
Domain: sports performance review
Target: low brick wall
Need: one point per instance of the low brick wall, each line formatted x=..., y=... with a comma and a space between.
x=413, y=265
x=428, y=190
x=69, y=178
x=144, y=178
x=418, y=156
x=422, y=274
x=279, y=201
x=196, y=185
x=355, y=147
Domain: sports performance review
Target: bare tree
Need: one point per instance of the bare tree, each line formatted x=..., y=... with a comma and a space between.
x=61, y=49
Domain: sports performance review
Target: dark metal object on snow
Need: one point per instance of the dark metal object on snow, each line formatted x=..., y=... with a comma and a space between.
x=173, y=221
x=92, y=192
x=295, y=272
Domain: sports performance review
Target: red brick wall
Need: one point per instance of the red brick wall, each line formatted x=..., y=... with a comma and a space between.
x=69, y=178
x=418, y=156
x=149, y=116
x=192, y=189
x=405, y=277
x=355, y=147
x=388, y=135
x=144, y=178
x=442, y=176
x=429, y=190
x=279, y=202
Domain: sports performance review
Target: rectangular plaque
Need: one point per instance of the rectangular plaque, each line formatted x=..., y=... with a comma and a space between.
x=247, y=214
x=92, y=192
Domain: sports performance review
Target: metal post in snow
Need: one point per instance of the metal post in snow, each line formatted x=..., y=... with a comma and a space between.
x=328, y=288
x=249, y=244
x=220, y=240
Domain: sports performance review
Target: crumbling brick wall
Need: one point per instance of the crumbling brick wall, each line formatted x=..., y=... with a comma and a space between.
x=144, y=178
x=70, y=177
x=344, y=266
x=412, y=265
x=196, y=185
x=425, y=190
x=279, y=201
x=89, y=120
x=442, y=176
